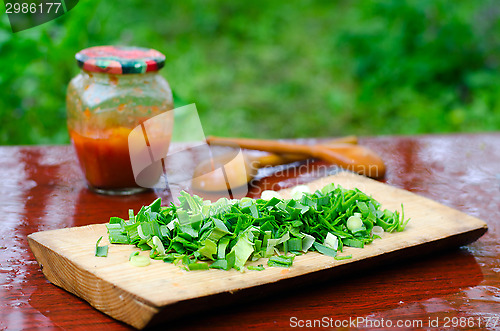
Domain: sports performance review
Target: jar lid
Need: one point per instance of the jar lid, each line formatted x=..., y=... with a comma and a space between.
x=120, y=59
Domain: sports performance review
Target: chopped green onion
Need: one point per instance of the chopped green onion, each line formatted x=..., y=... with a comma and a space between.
x=118, y=238
x=259, y=267
x=345, y=257
x=198, y=266
x=242, y=250
x=155, y=205
x=159, y=245
x=325, y=250
x=198, y=234
x=209, y=249
x=331, y=241
x=220, y=264
x=115, y=220
x=352, y=242
x=139, y=261
x=295, y=244
x=307, y=242
x=101, y=251
x=281, y=261
x=354, y=223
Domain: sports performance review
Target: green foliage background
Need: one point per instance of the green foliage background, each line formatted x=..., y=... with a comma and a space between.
x=274, y=68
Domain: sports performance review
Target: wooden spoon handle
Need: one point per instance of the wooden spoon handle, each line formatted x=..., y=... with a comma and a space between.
x=273, y=159
x=255, y=143
x=356, y=158
x=352, y=157
x=273, y=146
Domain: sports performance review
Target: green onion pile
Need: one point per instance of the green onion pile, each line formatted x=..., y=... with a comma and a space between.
x=199, y=234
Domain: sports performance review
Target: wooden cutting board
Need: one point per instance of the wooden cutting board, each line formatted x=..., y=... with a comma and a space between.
x=162, y=291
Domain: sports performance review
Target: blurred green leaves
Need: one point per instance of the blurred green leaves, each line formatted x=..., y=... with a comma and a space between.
x=274, y=69
x=427, y=65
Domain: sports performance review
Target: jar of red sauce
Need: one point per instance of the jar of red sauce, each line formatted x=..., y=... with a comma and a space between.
x=117, y=91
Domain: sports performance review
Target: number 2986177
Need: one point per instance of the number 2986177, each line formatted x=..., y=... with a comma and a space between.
x=12, y=7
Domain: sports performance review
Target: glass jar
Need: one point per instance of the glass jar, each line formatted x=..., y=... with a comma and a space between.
x=117, y=90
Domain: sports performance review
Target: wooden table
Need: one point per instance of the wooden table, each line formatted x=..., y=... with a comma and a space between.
x=42, y=188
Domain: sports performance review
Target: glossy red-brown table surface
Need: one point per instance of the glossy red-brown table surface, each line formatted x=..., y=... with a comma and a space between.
x=41, y=188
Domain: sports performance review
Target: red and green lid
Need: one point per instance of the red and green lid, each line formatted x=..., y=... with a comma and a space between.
x=120, y=59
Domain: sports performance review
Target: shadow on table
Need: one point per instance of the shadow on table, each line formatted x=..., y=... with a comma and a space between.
x=378, y=289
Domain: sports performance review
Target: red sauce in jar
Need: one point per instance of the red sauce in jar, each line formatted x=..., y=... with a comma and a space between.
x=105, y=161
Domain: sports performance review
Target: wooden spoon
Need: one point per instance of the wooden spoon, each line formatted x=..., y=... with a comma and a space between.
x=238, y=170
x=348, y=156
x=209, y=177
